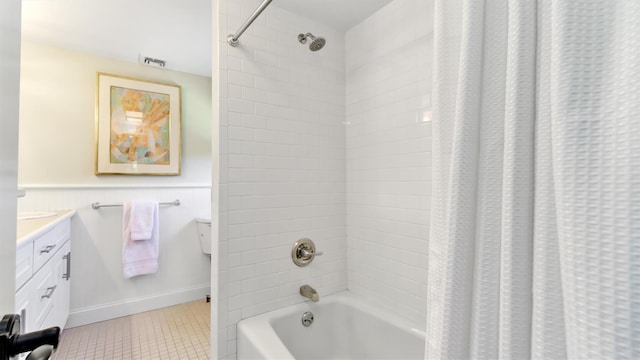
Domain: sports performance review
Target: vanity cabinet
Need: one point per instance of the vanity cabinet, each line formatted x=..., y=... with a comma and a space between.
x=43, y=271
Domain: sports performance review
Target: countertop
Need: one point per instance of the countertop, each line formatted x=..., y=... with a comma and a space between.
x=29, y=229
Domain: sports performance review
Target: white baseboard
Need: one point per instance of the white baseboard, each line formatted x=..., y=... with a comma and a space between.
x=92, y=314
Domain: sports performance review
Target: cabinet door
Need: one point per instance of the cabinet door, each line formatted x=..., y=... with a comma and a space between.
x=24, y=308
x=63, y=280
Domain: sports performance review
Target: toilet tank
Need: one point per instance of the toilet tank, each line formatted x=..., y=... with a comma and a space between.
x=204, y=233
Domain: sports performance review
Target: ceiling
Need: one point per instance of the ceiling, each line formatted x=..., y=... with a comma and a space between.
x=341, y=14
x=178, y=31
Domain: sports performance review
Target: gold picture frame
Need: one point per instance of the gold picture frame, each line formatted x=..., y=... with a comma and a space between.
x=138, y=126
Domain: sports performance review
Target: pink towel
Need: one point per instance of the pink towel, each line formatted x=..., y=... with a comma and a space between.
x=140, y=254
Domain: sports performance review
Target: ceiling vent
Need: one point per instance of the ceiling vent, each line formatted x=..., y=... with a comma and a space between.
x=149, y=61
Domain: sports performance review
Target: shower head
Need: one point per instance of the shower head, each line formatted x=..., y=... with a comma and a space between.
x=317, y=43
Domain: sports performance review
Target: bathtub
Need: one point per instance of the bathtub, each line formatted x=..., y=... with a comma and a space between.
x=344, y=327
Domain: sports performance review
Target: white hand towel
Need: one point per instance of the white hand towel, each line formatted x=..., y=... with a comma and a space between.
x=140, y=257
x=142, y=219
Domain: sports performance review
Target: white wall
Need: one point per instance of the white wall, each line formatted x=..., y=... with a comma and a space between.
x=282, y=163
x=9, y=92
x=388, y=81
x=57, y=118
x=56, y=167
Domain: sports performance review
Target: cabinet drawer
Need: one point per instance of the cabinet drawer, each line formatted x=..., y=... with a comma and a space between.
x=24, y=264
x=45, y=246
x=44, y=288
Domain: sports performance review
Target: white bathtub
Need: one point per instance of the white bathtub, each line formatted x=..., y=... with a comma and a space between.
x=344, y=327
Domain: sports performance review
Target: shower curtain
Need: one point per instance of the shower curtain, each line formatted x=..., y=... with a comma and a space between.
x=535, y=228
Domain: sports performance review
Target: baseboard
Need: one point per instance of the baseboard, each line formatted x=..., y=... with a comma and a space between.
x=92, y=314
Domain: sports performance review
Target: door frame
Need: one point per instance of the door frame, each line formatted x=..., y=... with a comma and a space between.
x=10, y=28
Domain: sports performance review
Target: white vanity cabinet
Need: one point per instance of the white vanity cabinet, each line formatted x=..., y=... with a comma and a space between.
x=43, y=271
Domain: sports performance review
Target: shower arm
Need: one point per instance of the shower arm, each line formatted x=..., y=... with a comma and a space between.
x=232, y=39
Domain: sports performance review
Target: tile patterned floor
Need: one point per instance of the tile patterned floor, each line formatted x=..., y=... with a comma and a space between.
x=177, y=332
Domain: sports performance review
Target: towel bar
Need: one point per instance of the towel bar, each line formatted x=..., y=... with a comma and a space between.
x=96, y=205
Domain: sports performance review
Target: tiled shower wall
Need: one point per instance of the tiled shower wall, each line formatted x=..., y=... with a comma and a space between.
x=324, y=145
x=282, y=163
x=388, y=82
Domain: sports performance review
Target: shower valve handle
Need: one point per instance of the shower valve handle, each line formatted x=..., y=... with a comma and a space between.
x=309, y=253
x=303, y=252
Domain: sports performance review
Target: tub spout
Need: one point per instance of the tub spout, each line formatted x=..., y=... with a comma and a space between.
x=309, y=292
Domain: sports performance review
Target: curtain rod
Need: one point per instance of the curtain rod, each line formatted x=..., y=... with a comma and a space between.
x=232, y=39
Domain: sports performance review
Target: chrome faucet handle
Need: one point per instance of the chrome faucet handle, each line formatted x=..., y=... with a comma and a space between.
x=309, y=253
x=303, y=252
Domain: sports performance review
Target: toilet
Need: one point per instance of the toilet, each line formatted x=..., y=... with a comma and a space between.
x=204, y=233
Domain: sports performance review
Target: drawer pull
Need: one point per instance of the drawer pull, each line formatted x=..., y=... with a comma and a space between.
x=67, y=257
x=23, y=322
x=49, y=292
x=47, y=249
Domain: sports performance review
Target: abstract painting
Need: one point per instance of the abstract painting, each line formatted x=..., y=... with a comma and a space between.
x=138, y=126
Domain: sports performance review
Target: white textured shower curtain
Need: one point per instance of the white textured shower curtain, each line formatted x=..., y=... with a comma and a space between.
x=535, y=231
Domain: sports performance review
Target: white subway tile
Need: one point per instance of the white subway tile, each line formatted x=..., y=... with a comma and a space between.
x=266, y=58
x=253, y=94
x=278, y=99
x=234, y=119
x=240, y=301
x=234, y=63
x=240, y=133
x=241, y=106
x=240, y=78
x=254, y=121
x=240, y=273
x=250, y=66
x=267, y=110
x=241, y=161
x=234, y=91
x=241, y=244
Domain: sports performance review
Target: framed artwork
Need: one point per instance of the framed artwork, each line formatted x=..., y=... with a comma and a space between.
x=137, y=126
